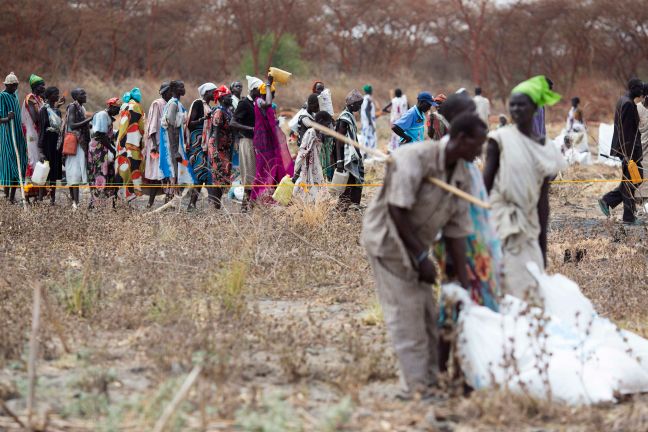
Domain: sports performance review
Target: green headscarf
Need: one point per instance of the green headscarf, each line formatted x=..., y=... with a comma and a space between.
x=537, y=88
x=35, y=79
x=367, y=88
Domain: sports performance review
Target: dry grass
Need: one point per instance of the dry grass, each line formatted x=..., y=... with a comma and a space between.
x=277, y=305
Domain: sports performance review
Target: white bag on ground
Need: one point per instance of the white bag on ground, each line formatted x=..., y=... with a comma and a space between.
x=588, y=359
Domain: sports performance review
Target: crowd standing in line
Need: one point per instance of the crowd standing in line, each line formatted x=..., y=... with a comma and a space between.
x=410, y=219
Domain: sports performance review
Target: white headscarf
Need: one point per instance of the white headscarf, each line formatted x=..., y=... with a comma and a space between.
x=253, y=82
x=205, y=88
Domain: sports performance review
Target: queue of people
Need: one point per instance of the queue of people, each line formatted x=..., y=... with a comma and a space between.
x=162, y=151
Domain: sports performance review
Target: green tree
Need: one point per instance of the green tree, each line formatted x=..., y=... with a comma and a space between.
x=283, y=52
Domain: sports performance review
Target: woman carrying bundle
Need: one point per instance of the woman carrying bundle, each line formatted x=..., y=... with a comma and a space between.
x=273, y=160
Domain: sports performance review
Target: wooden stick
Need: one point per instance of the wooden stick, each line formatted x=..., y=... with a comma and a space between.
x=33, y=353
x=170, y=203
x=338, y=136
x=18, y=167
x=177, y=399
x=11, y=414
x=435, y=181
x=458, y=192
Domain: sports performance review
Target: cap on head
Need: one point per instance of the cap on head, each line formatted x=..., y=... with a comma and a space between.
x=353, y=97
x=203, y=89
x=426, y=97
x=368, y=89
x=113, y=102
x=34, y=80
x=11, y=79
x=253, y=83
x=164, y=87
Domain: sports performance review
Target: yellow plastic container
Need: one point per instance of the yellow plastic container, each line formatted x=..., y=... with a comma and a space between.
x=281, y=76
x=633, y=169
x=283, y=193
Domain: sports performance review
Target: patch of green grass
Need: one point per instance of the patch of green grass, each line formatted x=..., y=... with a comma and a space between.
x=79, y=293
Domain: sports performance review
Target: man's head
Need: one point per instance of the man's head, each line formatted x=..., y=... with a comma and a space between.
x=165, y=90
x=51, y=95
x=318, y=87
x=478, y=91
x=236, y=88
x=575, y=101
x=324, y=118
x=312, y=104
x=503, y=120
x=635, y=87
x=37, y=84
x=425, y=101
x=11, y=83
x=113, y=106
x=468, y=134
x=456, y=104
x=398, y=93
x=79, y=95
x=354, y=101
x=177, y=88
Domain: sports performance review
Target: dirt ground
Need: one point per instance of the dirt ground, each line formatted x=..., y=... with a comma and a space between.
x=277, y=306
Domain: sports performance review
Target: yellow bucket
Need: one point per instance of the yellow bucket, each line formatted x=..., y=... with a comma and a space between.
x=279, y=75
x=283, y=193
x=633, y=169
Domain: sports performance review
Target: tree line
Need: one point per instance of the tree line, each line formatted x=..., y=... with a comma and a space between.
x=492, y=44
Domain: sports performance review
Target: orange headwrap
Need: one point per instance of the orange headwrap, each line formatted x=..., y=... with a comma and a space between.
x=113, y=102
x=221, y=91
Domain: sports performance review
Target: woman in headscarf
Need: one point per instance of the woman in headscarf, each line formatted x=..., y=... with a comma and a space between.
x=519, y=165
x=75, y=164
x=273, y=160
x=349, y=158
x=101, y=152
x=50, y=122
x=199, y=114
x=129, y=144
x=310, y=183
x=220, y=144
x=152, y=174
x=30, y=114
